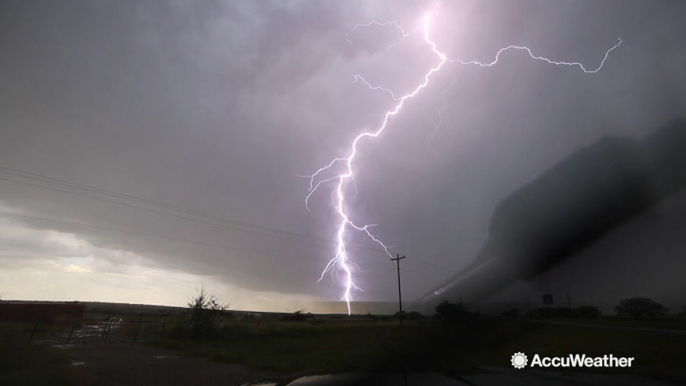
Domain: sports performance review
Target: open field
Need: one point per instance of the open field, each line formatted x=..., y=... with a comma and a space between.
x=296, y=348
x=666, y=323
x=335, y=344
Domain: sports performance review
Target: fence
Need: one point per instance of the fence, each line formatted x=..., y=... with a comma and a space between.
x=93, y=327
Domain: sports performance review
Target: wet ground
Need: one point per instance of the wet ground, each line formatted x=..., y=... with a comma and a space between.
x=114, y=330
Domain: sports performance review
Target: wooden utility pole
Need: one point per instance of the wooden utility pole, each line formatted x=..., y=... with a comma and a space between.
x=400, y=296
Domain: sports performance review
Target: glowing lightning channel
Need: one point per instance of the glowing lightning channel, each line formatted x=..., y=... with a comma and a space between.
x=341, y=261
x=360, y=79
x=377, y=24
x=443, y=108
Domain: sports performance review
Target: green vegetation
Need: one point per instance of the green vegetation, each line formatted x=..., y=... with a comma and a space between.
x=640, y=308
x=583, y=312
x=657, y=354
x=453, y=312
x=290, y=347
x=204, y=313
x=456, y=340
x=295, y=348
x=24, y=364
x=663, y=323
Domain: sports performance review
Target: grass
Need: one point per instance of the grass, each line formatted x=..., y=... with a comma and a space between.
x=666, y=323
x=30, y=364
x=657, y=355
x=296, y=348
x=291, y=347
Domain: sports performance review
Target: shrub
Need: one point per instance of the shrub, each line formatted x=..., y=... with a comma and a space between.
x=204, y=313
x=453, y=312
x=640, y=308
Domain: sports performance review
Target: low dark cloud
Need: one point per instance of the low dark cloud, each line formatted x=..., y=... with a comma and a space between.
x=217, y=107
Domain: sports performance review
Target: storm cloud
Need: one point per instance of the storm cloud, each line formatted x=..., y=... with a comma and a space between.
x=152, y=139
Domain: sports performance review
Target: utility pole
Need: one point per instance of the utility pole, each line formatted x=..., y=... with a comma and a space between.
x=400, y=296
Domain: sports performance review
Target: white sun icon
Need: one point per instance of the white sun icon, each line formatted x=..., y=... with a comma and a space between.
x=519, y=360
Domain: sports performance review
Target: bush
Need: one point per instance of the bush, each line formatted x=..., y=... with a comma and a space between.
x=640, y=308
x=453, y=312
x=204, y=313
x=414, y=315
x=587, y=312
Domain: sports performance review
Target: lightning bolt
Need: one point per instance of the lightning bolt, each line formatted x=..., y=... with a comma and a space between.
x=443, y=108
x=341, y=261
x=377, y=24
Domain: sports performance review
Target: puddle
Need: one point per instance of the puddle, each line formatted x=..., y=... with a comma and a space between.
x=86, y=332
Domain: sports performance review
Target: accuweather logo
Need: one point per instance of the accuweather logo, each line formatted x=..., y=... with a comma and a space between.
x=519, y=361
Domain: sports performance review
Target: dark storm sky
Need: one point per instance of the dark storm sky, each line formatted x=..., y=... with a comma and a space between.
x=217, y=107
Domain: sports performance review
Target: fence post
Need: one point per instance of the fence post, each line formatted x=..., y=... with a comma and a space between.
x=106, y=329
x=138, y=327
x=73, y=326
x=35, y=327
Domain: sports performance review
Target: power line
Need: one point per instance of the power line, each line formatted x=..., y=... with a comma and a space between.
x=252, y=231
x=232, y=224
x=151, y=235
x=146, y=201
x=145, y=234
